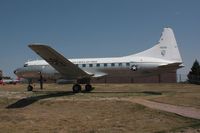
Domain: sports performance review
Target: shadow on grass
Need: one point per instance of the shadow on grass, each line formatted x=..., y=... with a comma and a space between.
x=30, y=100
x=50, y=94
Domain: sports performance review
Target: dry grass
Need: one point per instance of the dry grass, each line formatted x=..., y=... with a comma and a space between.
x=90, y=116
x=56, y=109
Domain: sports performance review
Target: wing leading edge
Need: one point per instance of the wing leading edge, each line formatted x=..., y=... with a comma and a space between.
x=172, y=65
x=58, y=61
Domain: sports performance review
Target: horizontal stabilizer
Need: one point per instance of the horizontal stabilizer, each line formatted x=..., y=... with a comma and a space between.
x=172, y=65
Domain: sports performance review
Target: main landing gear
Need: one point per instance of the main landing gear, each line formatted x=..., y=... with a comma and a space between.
x=77, y=88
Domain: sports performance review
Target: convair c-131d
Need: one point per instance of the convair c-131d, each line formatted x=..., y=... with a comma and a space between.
x=161, y=57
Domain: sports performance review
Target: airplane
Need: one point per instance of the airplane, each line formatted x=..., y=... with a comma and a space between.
x=9, y=81
x=161, y=57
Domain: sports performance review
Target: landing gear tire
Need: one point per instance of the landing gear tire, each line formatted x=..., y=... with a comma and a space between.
x=29, y=88
x=76, y=88
x=88, y=87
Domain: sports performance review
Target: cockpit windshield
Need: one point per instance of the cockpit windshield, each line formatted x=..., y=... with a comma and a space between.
x=25, y=65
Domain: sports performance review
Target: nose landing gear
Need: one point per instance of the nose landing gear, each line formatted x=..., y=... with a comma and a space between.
x=29, y=87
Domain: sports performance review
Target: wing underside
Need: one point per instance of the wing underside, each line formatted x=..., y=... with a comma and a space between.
x=59, y=62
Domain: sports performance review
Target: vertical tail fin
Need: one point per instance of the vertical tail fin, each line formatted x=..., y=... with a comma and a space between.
x=166, y=48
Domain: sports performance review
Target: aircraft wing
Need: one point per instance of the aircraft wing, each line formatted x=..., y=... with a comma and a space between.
x=58, y=61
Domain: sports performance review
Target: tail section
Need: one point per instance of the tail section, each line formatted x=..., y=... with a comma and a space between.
x=166, y=48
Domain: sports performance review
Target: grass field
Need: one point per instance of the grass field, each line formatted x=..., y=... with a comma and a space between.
x=57, y=109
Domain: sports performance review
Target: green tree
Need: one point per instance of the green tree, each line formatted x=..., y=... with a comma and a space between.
x=194, y=74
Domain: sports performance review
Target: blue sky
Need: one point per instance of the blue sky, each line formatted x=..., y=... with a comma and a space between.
x=95, y=28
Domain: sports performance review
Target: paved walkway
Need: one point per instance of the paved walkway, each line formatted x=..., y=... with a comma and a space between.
x=180, y=110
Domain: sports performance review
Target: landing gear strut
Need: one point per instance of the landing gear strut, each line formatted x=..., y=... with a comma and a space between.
x=41, y=81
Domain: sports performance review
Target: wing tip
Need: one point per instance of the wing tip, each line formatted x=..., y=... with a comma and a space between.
x=31, y=45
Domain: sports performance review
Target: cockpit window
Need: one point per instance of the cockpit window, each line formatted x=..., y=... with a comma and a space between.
x=25, y=65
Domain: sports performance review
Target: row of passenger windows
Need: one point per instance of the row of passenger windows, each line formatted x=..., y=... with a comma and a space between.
x=104, y=64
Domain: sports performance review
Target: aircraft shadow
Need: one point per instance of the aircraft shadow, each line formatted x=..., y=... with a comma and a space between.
x=30, y=100
x=50, y=94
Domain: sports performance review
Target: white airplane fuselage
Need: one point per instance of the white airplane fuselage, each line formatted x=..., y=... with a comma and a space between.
x=117, y=66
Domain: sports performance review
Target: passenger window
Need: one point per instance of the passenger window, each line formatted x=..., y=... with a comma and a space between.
x=97, y=65
x=83, y=65
x=105, y=64
x=112, y=64
x=120, y=64
x=127, y=64
x=90, y=65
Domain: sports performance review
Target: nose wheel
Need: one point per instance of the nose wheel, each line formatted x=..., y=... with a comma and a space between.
x=29, y=88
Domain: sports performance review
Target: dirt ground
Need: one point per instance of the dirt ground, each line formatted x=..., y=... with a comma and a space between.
x=56, y=109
